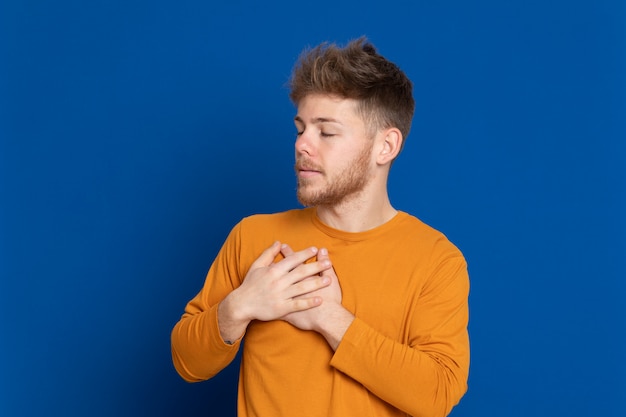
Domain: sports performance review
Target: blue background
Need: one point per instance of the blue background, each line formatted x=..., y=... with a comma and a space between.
x=135, y=134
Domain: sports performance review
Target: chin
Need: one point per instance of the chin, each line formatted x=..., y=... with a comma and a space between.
x=307, y=199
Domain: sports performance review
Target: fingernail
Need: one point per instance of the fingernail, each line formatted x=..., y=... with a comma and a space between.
x=324, y=251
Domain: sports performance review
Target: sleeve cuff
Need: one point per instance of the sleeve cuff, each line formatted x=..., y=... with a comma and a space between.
x=215, y=337
x=348, y=347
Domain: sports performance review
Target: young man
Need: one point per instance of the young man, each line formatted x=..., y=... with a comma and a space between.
x=348, y=306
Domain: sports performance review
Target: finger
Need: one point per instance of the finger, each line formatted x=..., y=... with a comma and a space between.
x=296, y=258
x=308, y=285
x=300, y=304
x=322, y=254
x=267, y=256
x=286, y=250
x=308, y=270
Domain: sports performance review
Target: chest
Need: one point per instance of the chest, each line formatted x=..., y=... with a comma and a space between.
x=381, y=286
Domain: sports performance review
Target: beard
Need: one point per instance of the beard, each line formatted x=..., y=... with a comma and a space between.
x=347, y=183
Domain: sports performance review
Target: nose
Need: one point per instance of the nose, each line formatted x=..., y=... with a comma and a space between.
x=303, y=143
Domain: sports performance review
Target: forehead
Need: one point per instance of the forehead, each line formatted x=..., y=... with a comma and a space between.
x=319, y=108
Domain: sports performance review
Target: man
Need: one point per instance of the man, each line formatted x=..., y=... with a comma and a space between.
x=348, y=306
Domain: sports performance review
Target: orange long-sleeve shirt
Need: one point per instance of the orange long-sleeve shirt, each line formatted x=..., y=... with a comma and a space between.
x=406, y=353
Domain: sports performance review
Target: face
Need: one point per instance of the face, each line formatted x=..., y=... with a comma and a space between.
x=333, y=151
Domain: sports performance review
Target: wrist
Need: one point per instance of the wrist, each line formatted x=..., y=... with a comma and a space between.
x=335, y=325
x=231, y=319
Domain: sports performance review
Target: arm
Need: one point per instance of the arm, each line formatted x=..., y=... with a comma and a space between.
x=207, y=337
x=424, y=375
x=198, y=351
x=427, y=374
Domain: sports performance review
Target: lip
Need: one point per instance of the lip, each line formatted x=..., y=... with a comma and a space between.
x=307, y=172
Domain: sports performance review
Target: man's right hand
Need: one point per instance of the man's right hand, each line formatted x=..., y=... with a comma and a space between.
x=272, y=290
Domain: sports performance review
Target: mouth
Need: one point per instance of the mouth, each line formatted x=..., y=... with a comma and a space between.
x=304, y=170
x=307, y=173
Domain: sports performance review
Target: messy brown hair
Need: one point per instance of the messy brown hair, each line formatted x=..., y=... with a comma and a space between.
x=356, y=71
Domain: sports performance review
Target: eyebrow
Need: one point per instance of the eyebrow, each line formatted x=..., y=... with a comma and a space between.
x=318, y=120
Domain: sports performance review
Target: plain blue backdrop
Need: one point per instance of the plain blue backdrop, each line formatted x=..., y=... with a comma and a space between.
x=135, y=134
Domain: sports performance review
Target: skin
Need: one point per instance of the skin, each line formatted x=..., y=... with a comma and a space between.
x=342, y=170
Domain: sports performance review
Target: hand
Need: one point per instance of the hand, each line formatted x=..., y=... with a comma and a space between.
x=329, y=318
x=272, y=290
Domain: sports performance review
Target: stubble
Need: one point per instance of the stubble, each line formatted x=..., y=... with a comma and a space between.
x=344, y=185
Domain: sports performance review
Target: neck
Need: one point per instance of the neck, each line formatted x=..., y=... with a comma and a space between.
x=357, y=215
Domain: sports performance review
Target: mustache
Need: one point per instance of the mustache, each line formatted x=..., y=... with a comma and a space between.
x=306, y=165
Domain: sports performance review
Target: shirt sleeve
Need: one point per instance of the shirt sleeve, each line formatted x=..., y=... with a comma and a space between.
x=425, y=375
x=198, y=351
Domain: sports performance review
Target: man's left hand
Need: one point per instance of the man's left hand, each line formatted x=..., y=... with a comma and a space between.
x=330, y=319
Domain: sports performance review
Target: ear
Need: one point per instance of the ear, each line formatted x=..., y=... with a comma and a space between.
x=391, y=142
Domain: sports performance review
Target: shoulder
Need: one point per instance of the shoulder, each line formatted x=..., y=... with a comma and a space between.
x=276, y=226
x=418, y=233
x=255, y=233
x=289, y=217
x=442, y=261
